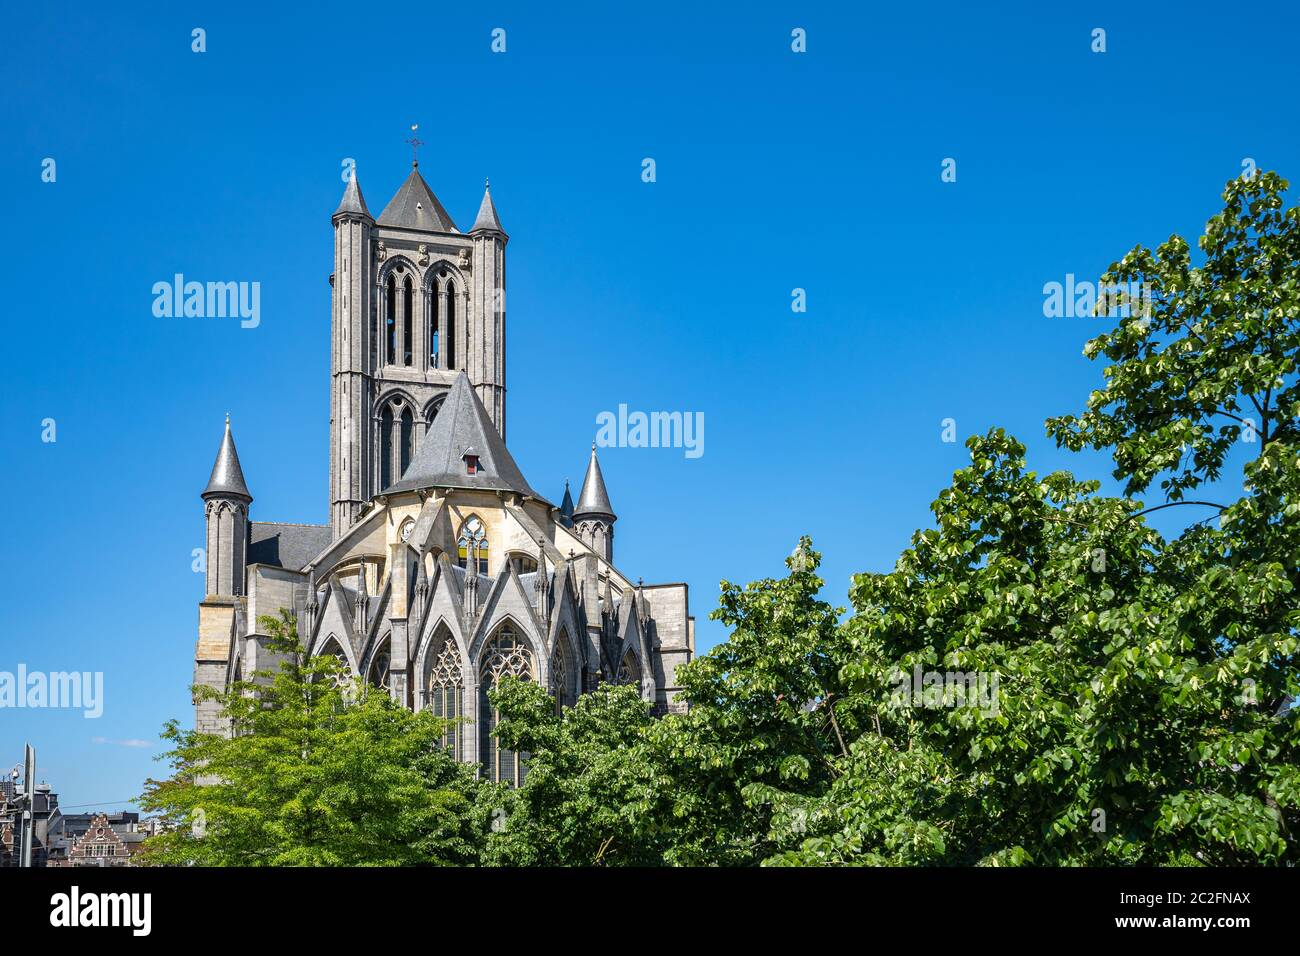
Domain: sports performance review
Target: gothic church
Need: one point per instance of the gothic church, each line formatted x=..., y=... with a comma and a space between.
x=441, y=569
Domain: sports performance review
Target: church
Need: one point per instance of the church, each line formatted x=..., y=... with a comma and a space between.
x=441, y=568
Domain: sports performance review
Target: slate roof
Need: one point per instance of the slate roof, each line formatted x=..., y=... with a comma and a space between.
x=416, y=207
x=289, y=546
x=594, y=498
x=463, y=426
x=353, y=202
x=227, y=477
x=566, y=507
x=488, y=219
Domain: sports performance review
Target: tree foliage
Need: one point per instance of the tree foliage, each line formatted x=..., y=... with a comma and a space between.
x=318, y=772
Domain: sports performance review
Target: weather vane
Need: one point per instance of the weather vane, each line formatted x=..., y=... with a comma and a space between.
x=416, y=143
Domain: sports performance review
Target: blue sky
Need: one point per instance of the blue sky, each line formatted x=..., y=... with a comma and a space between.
x=775, y=171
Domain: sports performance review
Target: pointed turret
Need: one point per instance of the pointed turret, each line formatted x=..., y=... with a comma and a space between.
x=593, y=501
x=414, y=206
x=226, y=500
x=566, y=507
x=227, y=480
x=487, y=219
x=594, y=516
x=353, y=203
x=353, y=287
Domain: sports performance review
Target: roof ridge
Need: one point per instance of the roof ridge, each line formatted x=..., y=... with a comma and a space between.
x=292, y=524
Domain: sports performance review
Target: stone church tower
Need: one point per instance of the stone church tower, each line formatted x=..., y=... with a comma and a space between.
x=441, y=569
x=415, y=301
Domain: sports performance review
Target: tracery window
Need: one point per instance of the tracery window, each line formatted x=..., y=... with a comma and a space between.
x=473, y=538
x=563, y=673
x=507, y=655
x=343, y=680
x=380, y=667
x=629, y=671
x=444, y=693
x=396, y=438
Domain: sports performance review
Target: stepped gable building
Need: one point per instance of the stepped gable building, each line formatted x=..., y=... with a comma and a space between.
x=441, y=568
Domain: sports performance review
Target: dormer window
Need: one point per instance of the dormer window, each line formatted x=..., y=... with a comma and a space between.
x=471, y=463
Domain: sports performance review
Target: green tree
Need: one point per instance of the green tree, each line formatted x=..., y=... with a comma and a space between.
x=1144, y=685
x=1207, y=370
x=765, y=710
x=579, y=803
x=610, y=785
x=318, y=771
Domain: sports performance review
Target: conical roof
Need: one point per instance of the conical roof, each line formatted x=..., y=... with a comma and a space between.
x=462, y=428
x=227, y=477
x=414, y=206
x=353, y=203
x=487, y=220
x=594, y=499
x=566, y=507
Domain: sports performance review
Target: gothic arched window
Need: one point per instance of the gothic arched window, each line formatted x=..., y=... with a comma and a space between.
x=451, y=325
x=407, y=438
x=408, y=322
x=390, y=319
x=629, y=671
x=332, y=648
x=507, y=655
x=379, y=668
x=563, y=674
x=433, y=327
x=473, y=538
x=444, y=693
x=386, y=447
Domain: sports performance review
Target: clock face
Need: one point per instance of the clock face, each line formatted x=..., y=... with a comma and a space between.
x=407, y=527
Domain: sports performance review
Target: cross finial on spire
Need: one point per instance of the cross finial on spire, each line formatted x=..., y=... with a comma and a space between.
x=416, y=143
x=227, y=419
